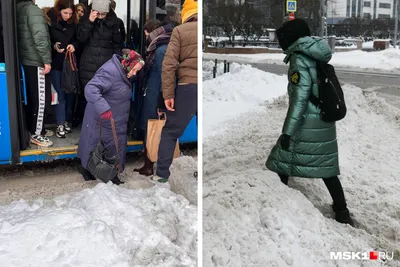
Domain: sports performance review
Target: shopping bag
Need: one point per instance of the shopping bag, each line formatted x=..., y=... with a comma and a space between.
x=154, y=128
x=70, y=76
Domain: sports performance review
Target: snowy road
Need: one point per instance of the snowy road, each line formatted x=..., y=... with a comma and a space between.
x=385, y=83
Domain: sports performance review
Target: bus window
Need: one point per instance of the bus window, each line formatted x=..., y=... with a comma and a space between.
x=48, y=3
x=171, y=10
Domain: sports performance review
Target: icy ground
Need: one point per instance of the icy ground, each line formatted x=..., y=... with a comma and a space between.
x=64, y=221
x=387, y=60
x=251, y=219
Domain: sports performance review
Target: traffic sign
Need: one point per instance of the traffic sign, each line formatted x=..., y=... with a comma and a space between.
x=291, y=16
x=291, y=6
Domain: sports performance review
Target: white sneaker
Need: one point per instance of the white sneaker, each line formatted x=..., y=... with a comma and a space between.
x=40, y=140
x=60, y=133
x=67, y=128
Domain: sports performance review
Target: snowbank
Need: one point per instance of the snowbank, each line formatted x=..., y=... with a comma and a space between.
x=103, y=226
x=236, y=92
x=251, y=219
x=383, y=60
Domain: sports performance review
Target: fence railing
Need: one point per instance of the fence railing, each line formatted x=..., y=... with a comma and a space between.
x=215, y=68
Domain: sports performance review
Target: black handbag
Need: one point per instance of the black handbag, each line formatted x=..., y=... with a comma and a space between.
x=103, y=164
x=70, y=76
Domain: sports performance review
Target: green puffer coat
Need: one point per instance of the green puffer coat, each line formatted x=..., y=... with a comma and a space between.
x=313, y=150
x=34, y=45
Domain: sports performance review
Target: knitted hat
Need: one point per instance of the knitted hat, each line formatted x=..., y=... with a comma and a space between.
x=189, y=9
x=101, y=5
x=291, y=31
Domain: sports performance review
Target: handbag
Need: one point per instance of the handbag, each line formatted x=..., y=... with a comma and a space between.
x=103, y=164
x=70, y=76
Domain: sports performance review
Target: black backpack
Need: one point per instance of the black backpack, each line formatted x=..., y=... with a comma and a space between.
x=331, y=97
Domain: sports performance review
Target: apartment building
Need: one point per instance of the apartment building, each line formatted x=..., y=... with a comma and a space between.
x=341, y=9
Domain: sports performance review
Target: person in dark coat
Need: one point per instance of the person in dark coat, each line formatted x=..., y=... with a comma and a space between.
x=63, y=27
x=158, y=36
x=121, y=22
x=308, y=146
x=179, y=87
x=108, y=95
x=100, y=34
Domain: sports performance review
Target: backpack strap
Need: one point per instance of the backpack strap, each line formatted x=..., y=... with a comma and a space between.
x=313, y=99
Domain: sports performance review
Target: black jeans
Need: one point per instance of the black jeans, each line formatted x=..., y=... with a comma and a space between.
x=177, y=121
x=335, y=190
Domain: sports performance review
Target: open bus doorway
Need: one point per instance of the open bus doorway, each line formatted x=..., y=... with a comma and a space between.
x=14, y=137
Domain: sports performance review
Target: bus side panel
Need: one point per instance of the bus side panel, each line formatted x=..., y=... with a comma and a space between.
x=190, y=134
x=5, y=133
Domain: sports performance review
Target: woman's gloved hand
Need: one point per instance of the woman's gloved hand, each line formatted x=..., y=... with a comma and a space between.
x=285, y=141
x=106, y=115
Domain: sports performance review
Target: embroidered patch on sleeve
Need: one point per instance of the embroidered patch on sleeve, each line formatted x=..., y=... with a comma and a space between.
x=295, y=78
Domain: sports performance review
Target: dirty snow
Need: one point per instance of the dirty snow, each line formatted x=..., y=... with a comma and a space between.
x=135, y=224
x=251, y=219
x=388, y=60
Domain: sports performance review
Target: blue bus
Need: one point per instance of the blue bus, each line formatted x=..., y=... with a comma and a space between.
x=15, y=147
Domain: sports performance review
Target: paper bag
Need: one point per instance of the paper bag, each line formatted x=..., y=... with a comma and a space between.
x=154, y=128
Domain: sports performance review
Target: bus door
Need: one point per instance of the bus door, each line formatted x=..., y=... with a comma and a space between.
x=13, y=133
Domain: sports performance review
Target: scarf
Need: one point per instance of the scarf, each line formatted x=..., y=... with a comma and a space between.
x=156, y=38
x=129, y=60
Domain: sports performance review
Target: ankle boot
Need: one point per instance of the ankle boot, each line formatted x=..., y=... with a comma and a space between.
x=342, y=215
x=87, y=176
x=116, y=181
x=147, y=169
x=144, y=167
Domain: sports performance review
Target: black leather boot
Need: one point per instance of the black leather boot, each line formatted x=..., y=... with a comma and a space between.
x=117, y=181
x=342, y=215
x=87, y=176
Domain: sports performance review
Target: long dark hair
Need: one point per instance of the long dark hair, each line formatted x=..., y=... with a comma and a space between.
x=64, y=4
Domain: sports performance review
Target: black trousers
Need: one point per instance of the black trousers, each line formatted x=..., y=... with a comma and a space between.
x=177, y=121
x=335, y=190
x=38, y=93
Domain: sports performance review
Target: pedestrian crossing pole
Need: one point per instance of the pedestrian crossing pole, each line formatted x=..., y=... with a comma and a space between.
x=322, y=23
x=396, y=22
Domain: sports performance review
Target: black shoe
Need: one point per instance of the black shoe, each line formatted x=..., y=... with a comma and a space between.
x=284, y=179
x=87, y=176
x=117, y=181
x=195, y=174
x=343, y=216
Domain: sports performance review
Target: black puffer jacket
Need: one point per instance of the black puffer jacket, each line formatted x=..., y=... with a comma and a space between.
x=101, y=39
x=63, y=32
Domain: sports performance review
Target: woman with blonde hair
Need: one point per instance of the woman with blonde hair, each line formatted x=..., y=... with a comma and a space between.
x=80, y=10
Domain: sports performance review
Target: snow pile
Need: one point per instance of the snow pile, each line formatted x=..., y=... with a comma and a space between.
x=182, y=180
x=383, y=60
x=251, y=219
x=103, y=226
x=237, y=92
